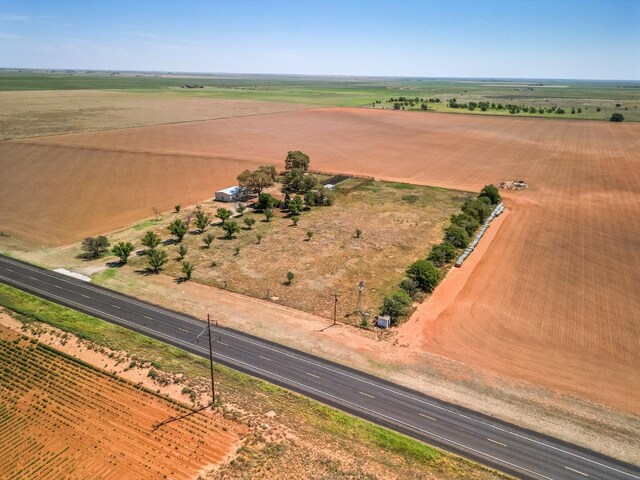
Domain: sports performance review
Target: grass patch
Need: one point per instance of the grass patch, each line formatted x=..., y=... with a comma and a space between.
x=402, y=186
x=106, y=274
x=144, y=225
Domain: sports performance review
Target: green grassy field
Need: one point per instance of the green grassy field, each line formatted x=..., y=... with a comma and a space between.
x=350, y=91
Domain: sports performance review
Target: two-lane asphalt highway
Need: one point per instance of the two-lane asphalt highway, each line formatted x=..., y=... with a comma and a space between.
x=506, y=447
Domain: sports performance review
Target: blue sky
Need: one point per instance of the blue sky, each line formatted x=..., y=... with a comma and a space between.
x=473, y=38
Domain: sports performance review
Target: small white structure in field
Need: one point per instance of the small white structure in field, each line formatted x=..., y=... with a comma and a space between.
x=231, y=194
x=383, y=321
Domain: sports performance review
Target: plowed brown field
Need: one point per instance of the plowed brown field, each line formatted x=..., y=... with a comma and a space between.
x=60, y=419
x=555, y=298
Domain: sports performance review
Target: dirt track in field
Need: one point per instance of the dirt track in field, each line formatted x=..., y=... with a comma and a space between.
x=553, y=300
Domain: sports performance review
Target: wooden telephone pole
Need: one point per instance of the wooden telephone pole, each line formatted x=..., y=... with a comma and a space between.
x=335, y=308
x=213, y=385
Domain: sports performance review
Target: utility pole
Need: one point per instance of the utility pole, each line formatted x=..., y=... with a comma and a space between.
x=335, y=309
x=213, y=386
x=360, y=289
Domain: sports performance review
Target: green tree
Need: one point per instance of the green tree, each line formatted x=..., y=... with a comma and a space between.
x=230, y=227
x=249, y=222
x=202, y=219
x=150, y=240
x=492, y=193
x=290, y=277
x=410, y=286
x=296, y=205
x=616, y=117
x=94, y=247
x=122, y=250
x=477, y=208
x=187, y=270
x=265, y=201
x=296, y=159
x=297, y=180
x=157, y=259
x=442, y=254
x=396, y=305
x=425, y=274
x=466, y=221
x=178, y=228
x=255, y=181
x=295, y=219
x=182, y=251
x=270, y=171
x=456, y=236
x=241, y=208
x=223, y=214
x=208, y=240
x=268, y=214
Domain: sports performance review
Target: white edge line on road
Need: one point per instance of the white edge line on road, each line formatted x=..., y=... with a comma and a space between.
x=326, y=367
x=366, y=394
x=427, y=416
x=576, y=471
x=286, y=380
x=495, y=441
x=312, y=375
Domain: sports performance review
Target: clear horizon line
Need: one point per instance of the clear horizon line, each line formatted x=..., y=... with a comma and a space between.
x=397, y=77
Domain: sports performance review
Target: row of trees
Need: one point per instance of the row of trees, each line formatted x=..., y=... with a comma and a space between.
x=423, y=275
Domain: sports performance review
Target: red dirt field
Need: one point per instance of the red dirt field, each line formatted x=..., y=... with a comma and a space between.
x=71, y=421
x=554, y=300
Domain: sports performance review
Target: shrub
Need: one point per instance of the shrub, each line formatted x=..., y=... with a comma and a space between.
x=268, y=214
x=265, y=201
x=295, y=219
x=442, y=254
x=410, y=286
x=230, y=227
x=123, y=250
x=358, y=233
x=150, y=240
x=491, y=192
x=223, y=214
x=178, y=228
x=249, y=222
x=94, y=247
x=208, y=240
x=478, y=208
x=182, y=251
x=466, y=221
x=456, y=236
x=290, y=277
x=616, y=117
x=396, y=305
x=187, y=270
x=309, y=235
x=425, y=274
x=157, y=259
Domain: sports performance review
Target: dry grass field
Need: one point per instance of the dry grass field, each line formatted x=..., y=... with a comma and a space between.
x=399, y=223
x=55, y=112
x=554, y=300
x=62, y=419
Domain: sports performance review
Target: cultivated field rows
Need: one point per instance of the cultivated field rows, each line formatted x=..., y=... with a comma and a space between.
x=553, y=301
x=60, y=419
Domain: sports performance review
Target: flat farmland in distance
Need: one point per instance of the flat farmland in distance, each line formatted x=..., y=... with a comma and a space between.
x=47, y=112
x=553, y=301
x=71, y=421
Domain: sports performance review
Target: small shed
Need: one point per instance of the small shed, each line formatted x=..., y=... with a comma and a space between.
x=383, y=321
x=231, y=194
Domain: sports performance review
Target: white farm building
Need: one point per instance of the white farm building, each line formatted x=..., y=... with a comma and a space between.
x=231, y=194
